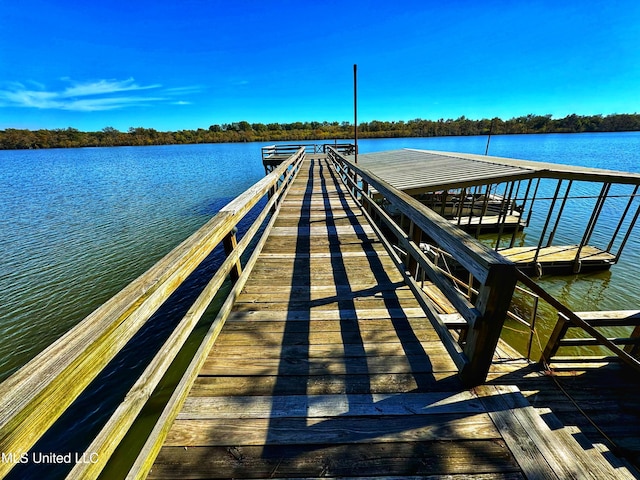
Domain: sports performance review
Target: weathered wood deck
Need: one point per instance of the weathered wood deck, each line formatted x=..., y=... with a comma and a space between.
x=489, y=223
x=586, y=399
x=327, y=366
x=559, y=259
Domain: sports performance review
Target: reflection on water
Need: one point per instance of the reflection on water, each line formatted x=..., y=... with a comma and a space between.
x=582, y=292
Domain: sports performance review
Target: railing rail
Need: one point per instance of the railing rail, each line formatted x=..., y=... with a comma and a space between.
x=277, y=151
x=568, y=318
x=33, y=398
x=496, y=275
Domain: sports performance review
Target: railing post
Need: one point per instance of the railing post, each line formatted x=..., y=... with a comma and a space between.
x=494, y=298
x=559, y=331
x=634, y=350
x=415, y=235
x=365, y=192
x=354, y=187
x=230, y=243
x=532, y=324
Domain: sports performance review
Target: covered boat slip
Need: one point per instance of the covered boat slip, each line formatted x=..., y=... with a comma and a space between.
x=560, y=207
x=328, y=367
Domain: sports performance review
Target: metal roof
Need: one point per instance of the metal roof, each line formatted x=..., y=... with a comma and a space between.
x=415, y=171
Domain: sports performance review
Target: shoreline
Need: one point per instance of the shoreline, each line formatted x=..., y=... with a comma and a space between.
x=245, y=132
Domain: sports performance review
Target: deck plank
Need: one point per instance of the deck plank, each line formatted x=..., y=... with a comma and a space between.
x=400, y=460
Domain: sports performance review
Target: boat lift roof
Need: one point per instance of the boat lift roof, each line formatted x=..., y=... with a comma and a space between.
x=416, y=171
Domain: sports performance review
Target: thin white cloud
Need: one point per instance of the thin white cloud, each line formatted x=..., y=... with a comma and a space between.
x=114, y=103
x=104, y=87
x=183, y=90
x=89, y=96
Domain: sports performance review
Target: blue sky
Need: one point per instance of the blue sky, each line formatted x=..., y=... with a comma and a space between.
x=187, y=64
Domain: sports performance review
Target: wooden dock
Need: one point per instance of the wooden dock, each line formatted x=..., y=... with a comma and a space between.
x=327, y=366
x=340, y=349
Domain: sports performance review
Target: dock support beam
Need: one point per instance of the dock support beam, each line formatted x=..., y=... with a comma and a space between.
x=415, y=235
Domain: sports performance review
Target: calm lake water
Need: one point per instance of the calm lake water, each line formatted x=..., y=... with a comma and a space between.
x=78, y=225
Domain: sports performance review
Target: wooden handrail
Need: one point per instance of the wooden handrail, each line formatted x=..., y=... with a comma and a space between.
x=566, y=315
x=496, y=275
x=288, y=149
x=150, y=449
x=36, y=395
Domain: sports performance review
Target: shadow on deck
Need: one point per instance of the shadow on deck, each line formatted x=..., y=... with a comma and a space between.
x=327, y=366
x=589, y=400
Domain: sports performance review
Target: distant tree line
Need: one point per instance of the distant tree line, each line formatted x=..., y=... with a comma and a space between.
x=259, y=132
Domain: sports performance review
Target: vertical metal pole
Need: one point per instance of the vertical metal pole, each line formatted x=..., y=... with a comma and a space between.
x=512, y=202
x=486, y=150
x=564, y=202
x=463, y=195
x=628, y=234
x=355, y=109
x=473, y=203
x=591, y=226
x=521, y=213
x=596, y=214
x=504, y=207
x=546, y=224
x=622, y=218
x=524, y=201
x=535, y=193
x=485, y=204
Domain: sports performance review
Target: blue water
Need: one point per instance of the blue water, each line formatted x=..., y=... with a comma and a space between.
x=77, y=225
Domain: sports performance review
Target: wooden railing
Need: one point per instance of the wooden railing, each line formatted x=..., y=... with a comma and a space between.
x=276, y=153
x=467, y=289
x=616, y=318
x=34, y=397
x=285, y=150
x=589, y=322
x=495, y=276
